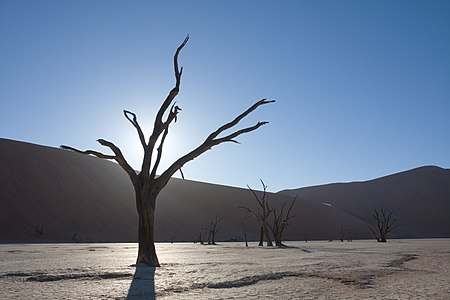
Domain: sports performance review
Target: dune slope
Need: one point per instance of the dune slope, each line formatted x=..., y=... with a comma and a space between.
x=52, y=195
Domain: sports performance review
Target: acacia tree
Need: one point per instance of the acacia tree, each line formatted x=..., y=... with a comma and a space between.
x=212, y=230
x=147, y=185
x=262, y=214
x=280, y=222
x=382, y=224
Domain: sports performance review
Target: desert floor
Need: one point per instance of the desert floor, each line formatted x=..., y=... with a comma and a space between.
x=399, y=269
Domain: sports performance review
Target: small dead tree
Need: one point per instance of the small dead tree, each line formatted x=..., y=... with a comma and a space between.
x=76, y=238
x=382, y=224
x=262, y=214
x=245, y=233
x=38, y=230
x=280, y=222
x=199, y=238
x=212, y=230
x=147, y=185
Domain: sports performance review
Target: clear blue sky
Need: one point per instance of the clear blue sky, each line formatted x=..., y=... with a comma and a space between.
x=362, y=87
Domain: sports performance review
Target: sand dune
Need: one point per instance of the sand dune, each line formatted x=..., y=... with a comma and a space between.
x=420, y=198
x=52, y=195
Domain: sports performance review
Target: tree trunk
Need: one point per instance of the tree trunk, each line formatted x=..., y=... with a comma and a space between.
x=213, y=238
x=146, y=232
x=261, y=237
x=266, y=233
x=279, y=239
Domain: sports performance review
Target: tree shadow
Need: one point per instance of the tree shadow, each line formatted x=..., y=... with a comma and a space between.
x=143, y=284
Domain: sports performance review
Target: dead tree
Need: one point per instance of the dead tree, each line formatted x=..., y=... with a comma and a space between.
x=212, y=230
x=200, y=235
x=147, y=185
x=262, y=214
x=38, y=230
x=382, y=224
x=199, y=238
x=245, y=233
x=280, y=222
x=76, y=238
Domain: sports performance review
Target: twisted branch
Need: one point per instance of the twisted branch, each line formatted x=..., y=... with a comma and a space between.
x=211, y=141
x=136, y=125
x=88, y=152
x=160, y=126
x=118, y=157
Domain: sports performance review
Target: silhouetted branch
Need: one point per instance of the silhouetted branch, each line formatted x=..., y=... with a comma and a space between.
x=159, y=125
x=256, y=196
x=136, y=125
x=173, y=93
x=88, y=152
x=182, y=174
x=252, y=213
x=233, y=123
x=210, y=142
x=117, y=157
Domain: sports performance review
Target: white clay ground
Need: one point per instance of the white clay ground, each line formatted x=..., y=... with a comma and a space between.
x=399, y=269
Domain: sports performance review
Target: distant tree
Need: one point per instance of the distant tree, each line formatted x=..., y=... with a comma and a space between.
x=245, y=233
x=201, y=234
x=212, y=230
x=39, y=230
x=382, y=224
x=76, y=238
x=269, y=219
x=199, y=237
x=261, y=214
x=146, y=183
x=280, y=222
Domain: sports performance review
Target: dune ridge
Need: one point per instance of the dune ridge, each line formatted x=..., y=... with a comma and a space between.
x=52, y=195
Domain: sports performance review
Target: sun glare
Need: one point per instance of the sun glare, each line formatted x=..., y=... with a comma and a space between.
x=134, y=153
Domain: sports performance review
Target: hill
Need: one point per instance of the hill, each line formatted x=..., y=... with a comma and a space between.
x=420, y=199
x=52, y=195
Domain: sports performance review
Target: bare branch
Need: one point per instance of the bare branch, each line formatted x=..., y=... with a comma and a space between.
x=173, y=93
x=253, y=214
x=175, y=63
x=210, y=142
x=158, y=157
x=229, y=138
x=239, y=118
x=117, y=157
x=159, y=125
x=254, y=194
x=89, y=152
x=120, y=159
x=171, y=118
x=136, y=125
x=290, y=208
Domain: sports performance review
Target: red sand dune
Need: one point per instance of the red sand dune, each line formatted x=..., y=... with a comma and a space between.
x=419, y=198
x=52, y=195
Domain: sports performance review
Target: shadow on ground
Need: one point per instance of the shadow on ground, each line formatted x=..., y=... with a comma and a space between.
x=143, y=284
